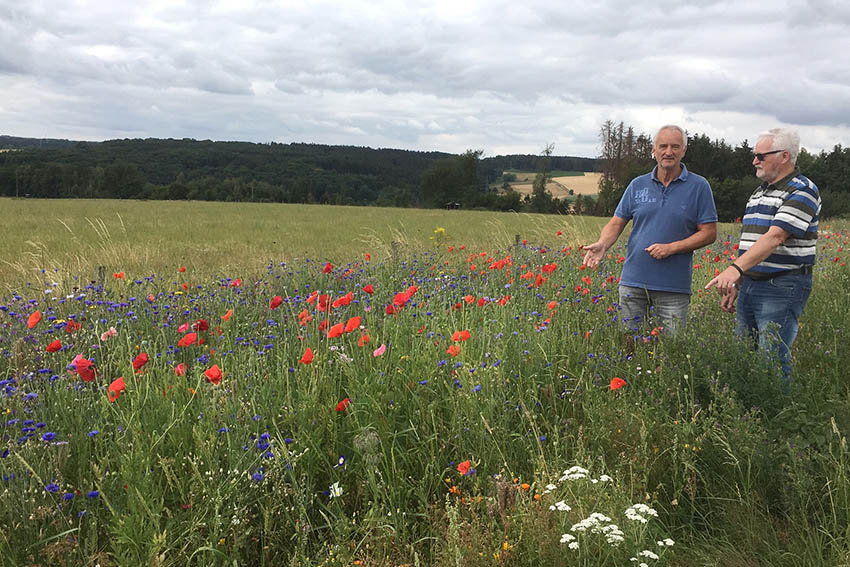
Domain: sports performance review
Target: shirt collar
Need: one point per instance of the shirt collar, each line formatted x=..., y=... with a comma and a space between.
x=781, y=182
x=683, y=175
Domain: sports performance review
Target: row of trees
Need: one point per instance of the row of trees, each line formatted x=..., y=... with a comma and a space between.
x=239, y=171
x=346, y=175
x=625, y=155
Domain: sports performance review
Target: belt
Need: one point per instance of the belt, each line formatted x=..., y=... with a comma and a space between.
x=807, y=269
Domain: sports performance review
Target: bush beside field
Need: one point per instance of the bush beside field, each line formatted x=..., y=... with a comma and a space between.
x=432, y=404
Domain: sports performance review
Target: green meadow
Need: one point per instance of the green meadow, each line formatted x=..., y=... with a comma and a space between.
x=259, y=384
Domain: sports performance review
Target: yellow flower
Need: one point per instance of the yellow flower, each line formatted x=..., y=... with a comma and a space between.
x=439, y=230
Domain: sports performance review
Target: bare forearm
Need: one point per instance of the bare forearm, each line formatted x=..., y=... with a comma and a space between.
x=695, y=241
x=611, y=232
x=761, y=249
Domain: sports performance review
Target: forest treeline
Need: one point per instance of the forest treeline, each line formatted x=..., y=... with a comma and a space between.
x=349, y=175
x=625, y=154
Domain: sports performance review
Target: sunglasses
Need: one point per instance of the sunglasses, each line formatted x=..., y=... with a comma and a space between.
x=761, y=156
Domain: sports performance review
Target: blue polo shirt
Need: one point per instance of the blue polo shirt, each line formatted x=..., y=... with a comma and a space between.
x=663, y=214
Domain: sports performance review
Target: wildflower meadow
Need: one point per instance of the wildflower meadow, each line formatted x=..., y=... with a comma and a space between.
x=429, y=402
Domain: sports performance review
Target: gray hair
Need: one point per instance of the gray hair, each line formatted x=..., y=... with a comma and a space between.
x=783, y=139
x=677, y=129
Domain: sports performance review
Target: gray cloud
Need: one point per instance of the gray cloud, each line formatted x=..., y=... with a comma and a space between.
x=498, y=76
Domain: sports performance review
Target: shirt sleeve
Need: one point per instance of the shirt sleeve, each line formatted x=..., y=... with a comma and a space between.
x=624, y=208
x=705, y=204
x=796, y=213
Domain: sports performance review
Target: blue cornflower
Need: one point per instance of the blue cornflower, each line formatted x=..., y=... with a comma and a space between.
x=68, y=496
x=49, y=436
x=93, y=432
x=288, y=440
x=93, y=494
x=52, y=487
x=258, y=476
x=423, y=382
x=477, y=388
x=224, y=430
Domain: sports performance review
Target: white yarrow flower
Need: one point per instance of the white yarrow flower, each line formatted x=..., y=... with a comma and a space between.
x=566, y=538
x=560, y=506
x=648, y=553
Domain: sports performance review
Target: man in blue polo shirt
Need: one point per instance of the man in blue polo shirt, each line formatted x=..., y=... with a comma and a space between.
x=673, y=214
x=772, y=276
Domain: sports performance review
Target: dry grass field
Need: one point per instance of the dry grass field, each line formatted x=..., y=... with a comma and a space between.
x=559, y=187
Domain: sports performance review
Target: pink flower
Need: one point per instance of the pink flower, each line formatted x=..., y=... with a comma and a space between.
x=380, y=350
x=107, y=334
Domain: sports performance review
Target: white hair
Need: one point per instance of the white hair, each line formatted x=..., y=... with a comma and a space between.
x=677, y=129
x=783, y=139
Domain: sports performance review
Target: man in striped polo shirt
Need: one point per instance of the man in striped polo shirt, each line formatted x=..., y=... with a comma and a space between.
x=772, y=276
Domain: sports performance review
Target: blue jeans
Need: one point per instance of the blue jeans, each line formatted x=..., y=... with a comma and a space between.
x=769, y=310
x=640, y=304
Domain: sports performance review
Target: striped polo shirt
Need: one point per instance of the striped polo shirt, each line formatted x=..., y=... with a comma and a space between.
x=793, y=204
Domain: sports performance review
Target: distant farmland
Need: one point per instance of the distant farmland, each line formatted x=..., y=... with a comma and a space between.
x=560, y=185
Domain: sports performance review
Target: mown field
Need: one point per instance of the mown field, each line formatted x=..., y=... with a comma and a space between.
x=306, y=385
x=560, y=185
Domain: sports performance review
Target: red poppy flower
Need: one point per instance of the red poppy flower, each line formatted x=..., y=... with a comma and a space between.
x=352, y=324
x=236, y=283
x=180, y=369
x=200, y=325
x=336, y=331
x=617, y=383
x=54, y=346
x=460, y=335
x=323, y=302
x=227, y=315
x=187, y=339
x=150, y=298
x=33, y=319
x=324, y=325
x=213, y=374
x=140, y=361
x=115, y=389
x=552, y=304
x=367, y=256
x=453, y=350
x=118, y=275
x=364, y=339
x=343, y=405
x=308, y=356
x=275, y=302
x=313, y=297
x=344, y=300
x=401, y=298
x=182, y=269
x=328, y=268
x=72, y=326
x=369, y=289
x=84, y=368
x=390, y=310
x=463, y=468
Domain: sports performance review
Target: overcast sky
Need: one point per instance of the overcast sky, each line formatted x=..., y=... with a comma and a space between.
x=447, y=75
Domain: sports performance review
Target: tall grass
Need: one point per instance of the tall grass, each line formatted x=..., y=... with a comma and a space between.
x=508, y=447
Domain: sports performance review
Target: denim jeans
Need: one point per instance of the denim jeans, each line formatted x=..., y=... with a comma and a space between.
x=639, y=305
x=769, y=310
